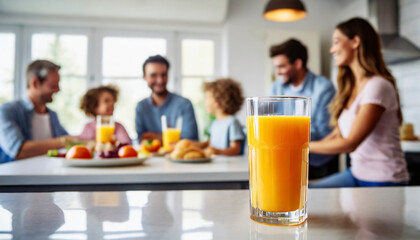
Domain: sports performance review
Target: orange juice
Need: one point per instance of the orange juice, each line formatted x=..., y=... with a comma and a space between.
x=278, y=149
x=104, y=133
x=171, y=135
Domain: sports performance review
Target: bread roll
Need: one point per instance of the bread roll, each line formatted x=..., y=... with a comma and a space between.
x=193, y=155
x=180, y=153
x=407, y=132
x=183, y=144
x=176, y=155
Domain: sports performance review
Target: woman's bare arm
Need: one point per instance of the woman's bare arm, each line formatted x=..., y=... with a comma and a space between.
x=366, y=120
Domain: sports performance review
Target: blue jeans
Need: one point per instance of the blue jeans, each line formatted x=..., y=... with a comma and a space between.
x=346, y=179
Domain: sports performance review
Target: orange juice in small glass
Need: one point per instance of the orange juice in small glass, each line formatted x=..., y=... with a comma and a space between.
x=278, y=131
x=170, y=136
x=105, y=128
x=171, y=133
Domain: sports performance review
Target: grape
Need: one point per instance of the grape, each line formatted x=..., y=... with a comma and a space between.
x=111, y=153
x=108, y=154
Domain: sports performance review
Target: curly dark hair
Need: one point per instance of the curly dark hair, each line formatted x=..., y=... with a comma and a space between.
x=90, y=100
x=227, y=93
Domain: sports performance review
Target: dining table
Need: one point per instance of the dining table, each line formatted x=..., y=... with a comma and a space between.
x=335, y=213
x=43, y=173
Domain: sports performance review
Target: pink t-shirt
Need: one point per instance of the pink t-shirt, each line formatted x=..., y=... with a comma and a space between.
x=89, y=133
x=379, y=157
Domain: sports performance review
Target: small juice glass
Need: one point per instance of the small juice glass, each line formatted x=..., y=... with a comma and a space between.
x=171, y=133
x=105, y=128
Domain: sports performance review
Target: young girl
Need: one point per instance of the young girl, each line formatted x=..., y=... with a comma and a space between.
x=223, y=98
x=365, y=112
x=101, y=101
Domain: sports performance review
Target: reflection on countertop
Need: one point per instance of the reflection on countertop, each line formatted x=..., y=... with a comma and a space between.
x=260, y=231
x=348, y=213
x=374, y=220
x=29, y=219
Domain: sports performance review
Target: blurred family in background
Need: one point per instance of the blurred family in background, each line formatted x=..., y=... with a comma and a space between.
x=361, y=117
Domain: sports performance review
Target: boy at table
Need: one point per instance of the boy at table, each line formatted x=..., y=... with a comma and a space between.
x=223, y=98
x=27, y=126
x=162, y=102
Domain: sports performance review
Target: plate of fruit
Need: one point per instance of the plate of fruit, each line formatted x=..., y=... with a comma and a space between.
x=81, y=156
x=151, y=147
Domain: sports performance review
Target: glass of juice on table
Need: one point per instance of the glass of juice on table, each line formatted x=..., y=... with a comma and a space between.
x=105, y=128
x=171, y=132
x=278, y=130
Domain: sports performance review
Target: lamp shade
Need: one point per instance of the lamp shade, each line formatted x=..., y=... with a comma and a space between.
x=284, y=10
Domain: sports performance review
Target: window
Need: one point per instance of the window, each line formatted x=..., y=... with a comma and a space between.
x=70, y=52
x=122, y=63
x=90, y=57
x=7, y=66
x=198, y=66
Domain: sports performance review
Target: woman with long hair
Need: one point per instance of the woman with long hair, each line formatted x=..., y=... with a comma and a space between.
x=365, y=112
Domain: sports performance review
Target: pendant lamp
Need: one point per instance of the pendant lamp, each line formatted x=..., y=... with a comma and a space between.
x=284, y=10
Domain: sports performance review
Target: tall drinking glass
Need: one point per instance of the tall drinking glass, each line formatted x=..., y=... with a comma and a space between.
x=278, y=130
x=105, y=128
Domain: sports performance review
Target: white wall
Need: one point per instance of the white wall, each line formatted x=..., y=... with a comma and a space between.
x=408, y=74
x=213, y=11
x=247, y=31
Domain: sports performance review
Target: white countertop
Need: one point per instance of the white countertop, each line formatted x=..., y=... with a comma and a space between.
x=410, y=146
x=347, y=213
x=46, y=171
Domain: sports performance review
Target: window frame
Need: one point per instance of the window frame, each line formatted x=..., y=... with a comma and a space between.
x=29, y=31
x=95, y=37
x=17, y=86
x=96, y=33
x=215, y=37
x=102, y=33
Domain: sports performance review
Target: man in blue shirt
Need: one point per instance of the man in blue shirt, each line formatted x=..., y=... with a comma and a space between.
x=27, y=127
x=290, y=59
x=162, y=102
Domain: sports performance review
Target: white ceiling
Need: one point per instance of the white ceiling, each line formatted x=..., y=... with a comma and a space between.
x=208, y=11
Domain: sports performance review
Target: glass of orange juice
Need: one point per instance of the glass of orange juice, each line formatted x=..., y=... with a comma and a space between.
x=105, y=128
x=278, y=130
x=171, y=132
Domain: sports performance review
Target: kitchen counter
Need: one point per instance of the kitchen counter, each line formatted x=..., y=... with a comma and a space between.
x=50, y=174
x=347, y=213
x=411, y=146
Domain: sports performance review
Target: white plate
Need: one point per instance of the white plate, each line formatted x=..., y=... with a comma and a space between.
x=107, y=162
x=196, y=160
